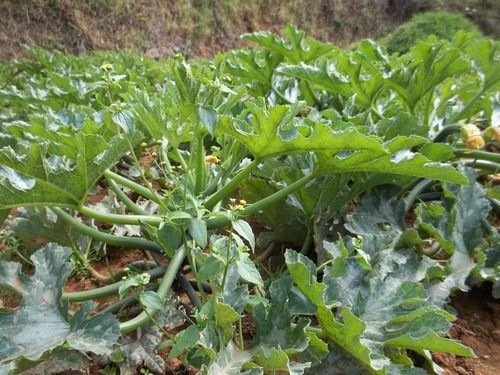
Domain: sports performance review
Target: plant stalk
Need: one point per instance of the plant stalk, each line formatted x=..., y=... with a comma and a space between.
x=120, y=219
x=165, y=285
x=139, y=189
x=124, y=198
x=220, y=221
x=121, y=241
x=215, y=198
x=478, y=155
x=106, y=290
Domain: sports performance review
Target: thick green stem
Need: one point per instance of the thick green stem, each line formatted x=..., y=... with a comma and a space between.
x=165, y=285
x=478, y=155
x=124, y=198
x=484, y=165
x=181, y=160
x=220, y=221
x=308, y=240
x=139, y=189
x=121, y=241
x=446, y=131
x=200, y=166
x=215, y=198
x=415, y=192
x=120, y=219
x=164, y=159
x=106, y=290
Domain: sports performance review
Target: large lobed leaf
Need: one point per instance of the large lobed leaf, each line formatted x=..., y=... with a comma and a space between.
x=390, y=310
x=456, y=225
x=41, y=323
x=298, y=48
x=60, y=164
x=275, y=131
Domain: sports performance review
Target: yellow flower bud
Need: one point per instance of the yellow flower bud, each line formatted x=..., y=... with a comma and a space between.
x=492, y=134
x=212, y=159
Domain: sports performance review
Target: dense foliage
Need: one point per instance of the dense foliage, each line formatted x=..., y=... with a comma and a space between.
x=443, y=25
x=371, y=176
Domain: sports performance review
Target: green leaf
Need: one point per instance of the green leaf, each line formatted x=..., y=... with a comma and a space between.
x=254, y=68
x=59, y=167
x=276, y=360
x=210, y=269
x=245, y=230
x=432, y=63
x=431, y=341
x=169, y=237
x=298, y=47
x=485, y=54
x=403, y=123
x=348, y=334
x=491, y=267
x=131, y=282
x=396, y=159
x=378, y=213
x=438, y=152
x=151, y=300
x=229, y=361
x=383, y=307
x=37, y=326
x=274, y=131
x=322, y=76
x=185, y=340
x=224, y=314
x=248, y=272
x=125, y=120
x=273, y=323
x=208, y=117
x=198, y=230
x=456, y=225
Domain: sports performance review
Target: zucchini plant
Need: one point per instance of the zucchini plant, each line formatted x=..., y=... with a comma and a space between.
x=186, y=152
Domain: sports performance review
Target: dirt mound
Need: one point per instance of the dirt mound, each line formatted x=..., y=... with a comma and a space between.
x=202, y=28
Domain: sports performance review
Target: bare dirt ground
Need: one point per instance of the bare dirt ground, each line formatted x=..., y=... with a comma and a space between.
x=478, y=326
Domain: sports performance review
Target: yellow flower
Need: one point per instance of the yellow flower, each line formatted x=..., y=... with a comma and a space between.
x=472, y=137
x=107, y=67
x=212, y=159
x=475, y=142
